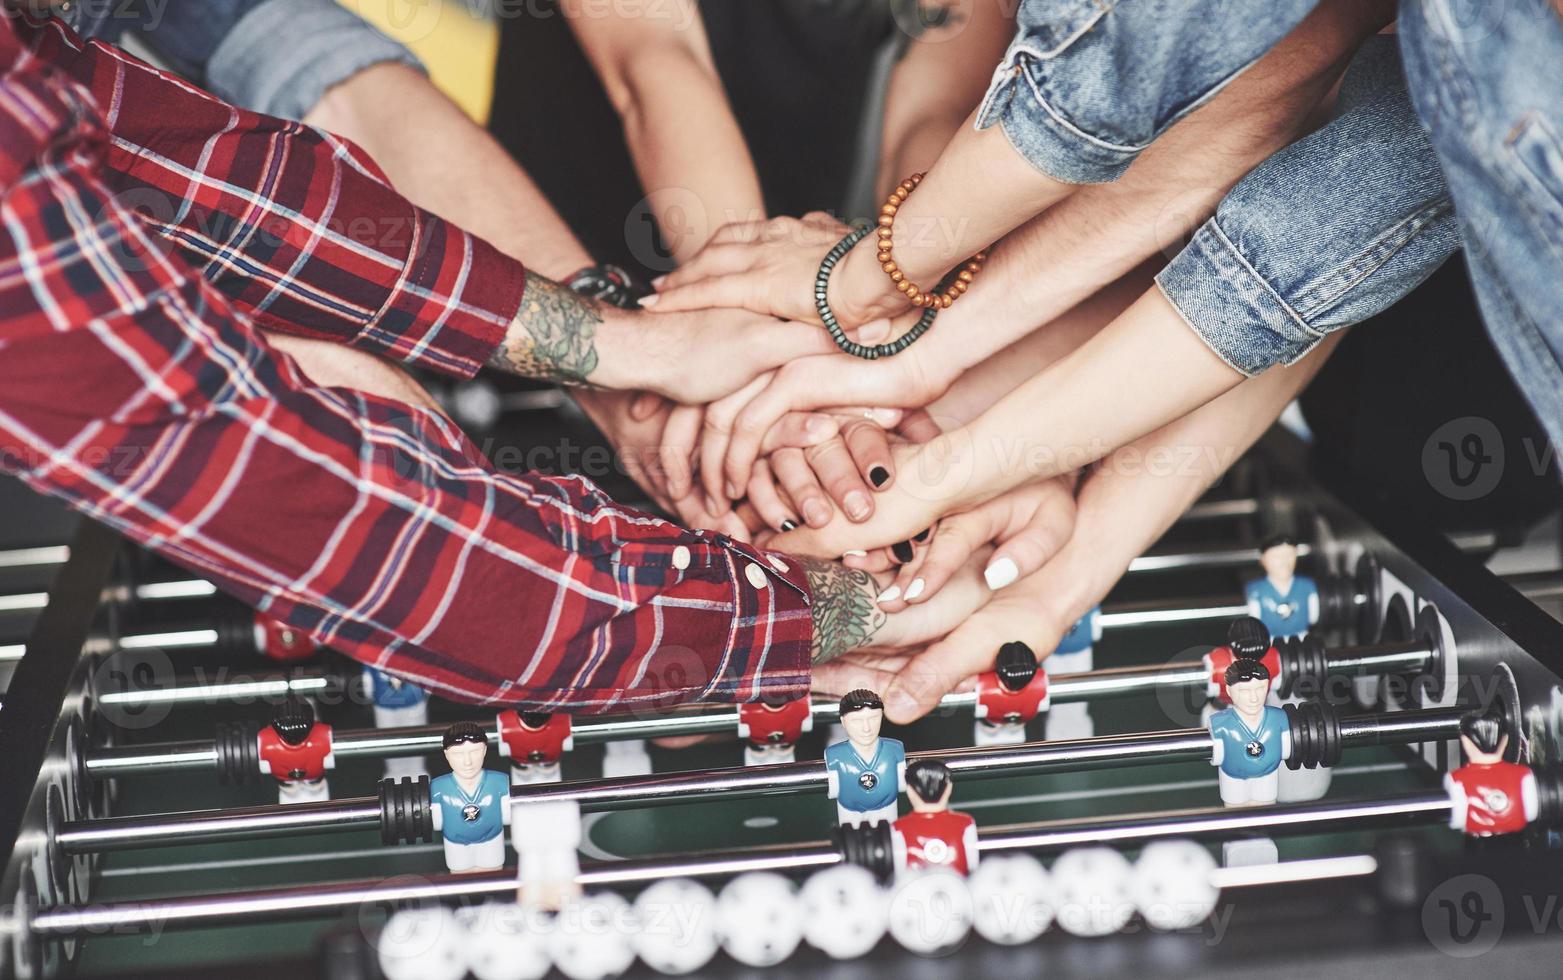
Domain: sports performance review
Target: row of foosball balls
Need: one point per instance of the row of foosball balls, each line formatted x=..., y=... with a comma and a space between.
x=676, y=926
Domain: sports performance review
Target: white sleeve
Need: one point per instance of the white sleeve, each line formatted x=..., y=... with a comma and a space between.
x=832, y=782
x=1530, y=797
x=898, y=849
x=1286, y=745
x=436, y=815
x=1313, y=608
x=1457, y=803
x=1218, y=750
x=743, y=727
x=1096, y=626
x=900, y=776
x=1212, y=687
x=1253, y=606
x=808, y=721
x=969, y=841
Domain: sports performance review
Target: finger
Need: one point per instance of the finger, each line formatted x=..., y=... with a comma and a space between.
x=740, y=289
x=954, y=541
x=676, y=453
x=875, y=561
x=645, y=404
x=802, y=487
x=714, y=437
x=918, y=426
x=767, y=501
x=908, y=585
x=716, y=259
x=838, y=474
x=847, y=674
x=685, y=741
x=870, y=448
x=739, y=232
x=1026, y=551
x=800, y=430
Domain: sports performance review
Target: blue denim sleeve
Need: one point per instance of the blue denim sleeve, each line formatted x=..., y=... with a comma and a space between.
x=1088, y=84
x=1331, y=230
x=280, y=56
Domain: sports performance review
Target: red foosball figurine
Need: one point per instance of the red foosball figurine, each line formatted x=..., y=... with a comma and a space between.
x=1487, y=795
x=278, y=641
x=1248, y=639
x=772, y=728
x=932, y=836
x=1008, y=696
x=533, y=741
x=295, y=749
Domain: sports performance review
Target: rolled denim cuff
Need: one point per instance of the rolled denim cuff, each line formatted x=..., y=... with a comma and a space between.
x=1224, y=300
x=285, y=54
x=1048, y=141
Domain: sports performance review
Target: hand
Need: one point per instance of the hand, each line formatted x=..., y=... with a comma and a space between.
x=790, y=484
x=770, y=267
x=736, y=427
x=698, y=357
x=1029, y=525
x=634, y=424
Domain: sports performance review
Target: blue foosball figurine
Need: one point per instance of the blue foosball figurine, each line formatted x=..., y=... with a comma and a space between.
x=1250, y=739
x=1287, y=603
x=866, y=773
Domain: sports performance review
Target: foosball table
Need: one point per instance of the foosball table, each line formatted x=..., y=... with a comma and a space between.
x=189, y=790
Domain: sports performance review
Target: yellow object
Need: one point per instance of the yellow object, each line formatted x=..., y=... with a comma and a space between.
x=459, y=48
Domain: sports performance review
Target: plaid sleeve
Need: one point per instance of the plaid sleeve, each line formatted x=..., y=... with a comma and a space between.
x=133, y=390
x=295, y=227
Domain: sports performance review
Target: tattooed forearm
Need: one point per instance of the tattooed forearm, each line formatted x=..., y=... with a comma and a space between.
x=845, y=614
x=553, y=336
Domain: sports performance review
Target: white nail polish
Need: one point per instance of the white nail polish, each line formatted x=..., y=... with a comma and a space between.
x=1001, y=573
x=915, y=589
x=890, y=595
x=854, y=553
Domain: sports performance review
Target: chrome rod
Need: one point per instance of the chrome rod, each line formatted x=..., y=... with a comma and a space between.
x=1191, y=744
x=276, y=904
x=1214, y=510
x=31, y=557
x=1212, y=558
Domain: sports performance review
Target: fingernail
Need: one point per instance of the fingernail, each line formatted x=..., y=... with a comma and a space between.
x=915, y=589
x=857, y=505
x=878, y=475
x=854, y=553
x=922, y=535
x=789, y=525
x=902, y=551
x=816, y=514
x=884, y=416
x=1001, y=573
x=657, y=282
x=649, y=300
x=732, y=491
x=890, y=595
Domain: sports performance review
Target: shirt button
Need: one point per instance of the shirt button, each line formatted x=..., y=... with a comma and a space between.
x=777, y=563
x=757, y=576
x=681, y=557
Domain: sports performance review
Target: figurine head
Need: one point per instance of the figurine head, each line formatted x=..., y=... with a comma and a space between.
x=1485, y=735
x=1248, y=638
x=1248, y=684
x=293, y=721
x=466, y=746
x=1278, y=557
x=862, y=712
x=1016, y=665
x=534, y=719
x=928, y=786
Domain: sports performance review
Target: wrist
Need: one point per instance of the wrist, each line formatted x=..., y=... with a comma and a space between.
x=860, y=290
x=842, y=604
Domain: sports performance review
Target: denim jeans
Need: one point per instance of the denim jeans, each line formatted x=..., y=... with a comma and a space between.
x=1329, y=231
x=1088, y=84
x=1487, y=79
x=273, y=56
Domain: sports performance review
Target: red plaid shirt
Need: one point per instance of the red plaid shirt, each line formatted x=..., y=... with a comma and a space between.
x=145, y=229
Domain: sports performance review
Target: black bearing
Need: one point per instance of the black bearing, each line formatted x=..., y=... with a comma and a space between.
x=238, y=753
x=1301, y=736
x=1549, y=796
x=1334, y=746
x=868, y=846
x=406, y=811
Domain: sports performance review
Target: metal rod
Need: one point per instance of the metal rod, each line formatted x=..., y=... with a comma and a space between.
x=1214, y=510
x=1190, y=744
x=1212, y=558
x=30, y=557
x=1096, y=685
x=1051, y=836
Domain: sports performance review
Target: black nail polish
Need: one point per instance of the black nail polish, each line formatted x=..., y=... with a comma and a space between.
x=789, y=525
x=902, y=551
x=878, y=475
x=923, y=536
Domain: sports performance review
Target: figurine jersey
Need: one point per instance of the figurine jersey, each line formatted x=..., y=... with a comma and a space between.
x=1250, y=757
x=1289, y=613
x=1495, y=798
x=533, y=744
x=279, y=641
x=1074, y=655
x=396, y=702
x=865, y=790
x=299, y=769
x=472, y=822
x=997, y=704
x=932, y=841
x=771, y=730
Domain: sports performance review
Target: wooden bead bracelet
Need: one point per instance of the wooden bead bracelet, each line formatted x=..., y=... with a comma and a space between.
x=914, y=293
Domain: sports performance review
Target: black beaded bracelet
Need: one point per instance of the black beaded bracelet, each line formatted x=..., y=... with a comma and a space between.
x=822, y=283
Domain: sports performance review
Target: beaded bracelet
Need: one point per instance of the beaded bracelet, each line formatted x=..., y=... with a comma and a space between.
x=827, y=317
x=913, y=292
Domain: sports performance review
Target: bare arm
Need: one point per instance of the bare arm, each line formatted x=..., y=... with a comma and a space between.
x=936, y=85
x=687, y=148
